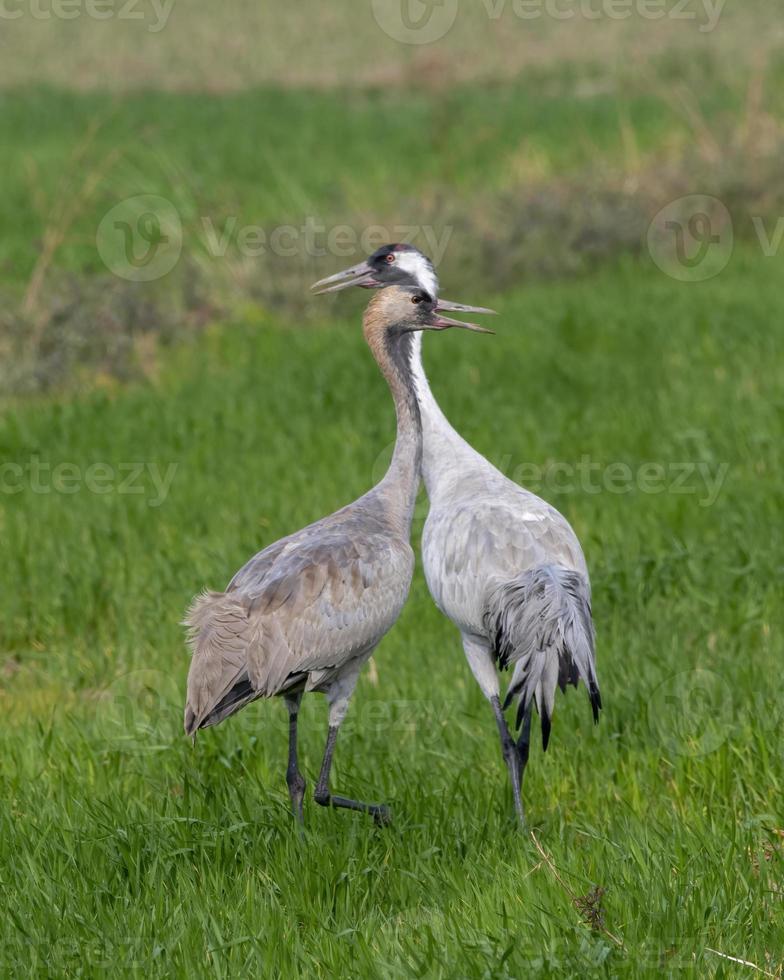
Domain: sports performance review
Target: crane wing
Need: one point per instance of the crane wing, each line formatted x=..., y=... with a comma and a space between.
x=325, y=604
x=324, y=600
x=466, y=548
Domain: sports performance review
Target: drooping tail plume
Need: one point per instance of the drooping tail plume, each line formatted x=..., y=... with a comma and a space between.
x=218, y=683
x=541, y=626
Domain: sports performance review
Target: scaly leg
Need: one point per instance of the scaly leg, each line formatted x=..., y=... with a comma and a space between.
x=339, y=696
x=380, y=813
x=511, y=757
x=294, y=778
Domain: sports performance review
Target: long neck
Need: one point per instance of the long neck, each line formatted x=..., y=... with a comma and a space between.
x=443, y=447
x=400, y=484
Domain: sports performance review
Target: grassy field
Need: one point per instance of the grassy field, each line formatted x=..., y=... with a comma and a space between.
x=123, y=847
x=562, y=169
x=281, y=157
x=155, y=435
x=199, y=46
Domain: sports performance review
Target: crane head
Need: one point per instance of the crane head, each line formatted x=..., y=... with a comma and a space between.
x=394, y=265
x=408, y=309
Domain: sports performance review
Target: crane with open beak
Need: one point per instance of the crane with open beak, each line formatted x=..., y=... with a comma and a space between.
x=500, y=562
x=394, y=265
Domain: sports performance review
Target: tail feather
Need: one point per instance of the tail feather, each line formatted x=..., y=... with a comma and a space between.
x=218, y=683
x=241, y=694
x=541, y=626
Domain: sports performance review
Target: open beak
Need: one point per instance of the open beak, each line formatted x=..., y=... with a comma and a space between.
x=357, y=275
x=445, y=322
x=445, y=304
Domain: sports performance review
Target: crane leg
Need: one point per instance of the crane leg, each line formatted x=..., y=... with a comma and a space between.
x=511, y=756
x=380, y=813
x=524, y=742
x=294, y=778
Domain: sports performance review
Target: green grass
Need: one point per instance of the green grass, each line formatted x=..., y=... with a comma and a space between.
x=392, y=156
x=240, y=44
x=122, y=848
x=404, y=146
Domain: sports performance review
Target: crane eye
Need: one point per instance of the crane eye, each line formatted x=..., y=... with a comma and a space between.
x=416, y=299
x=390, y=258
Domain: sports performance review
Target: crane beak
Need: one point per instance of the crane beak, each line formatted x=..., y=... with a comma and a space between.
x=444, y=323
x=445, y=304
x=357, y=275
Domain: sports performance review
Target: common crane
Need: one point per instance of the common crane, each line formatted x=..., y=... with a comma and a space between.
x=500, y=562
x=306, y=612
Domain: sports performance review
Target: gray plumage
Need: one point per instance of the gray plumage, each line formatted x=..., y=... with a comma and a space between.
x=508, y=570
x=540, y=624
x=302, y=615
x=307, y=612
x=501, y=563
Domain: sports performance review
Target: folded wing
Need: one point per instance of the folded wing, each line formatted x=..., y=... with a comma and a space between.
x=292, y=619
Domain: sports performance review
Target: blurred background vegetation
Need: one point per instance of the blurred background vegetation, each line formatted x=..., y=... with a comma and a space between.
x=531, y=147
x=534, y=154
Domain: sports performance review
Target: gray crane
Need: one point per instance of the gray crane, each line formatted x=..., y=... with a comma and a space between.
x=500, y=562
x=306, y=612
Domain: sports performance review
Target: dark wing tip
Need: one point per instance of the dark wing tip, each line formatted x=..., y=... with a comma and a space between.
x=596, y=702
x=523, y=705
x=546, y=726
x=191, y=725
